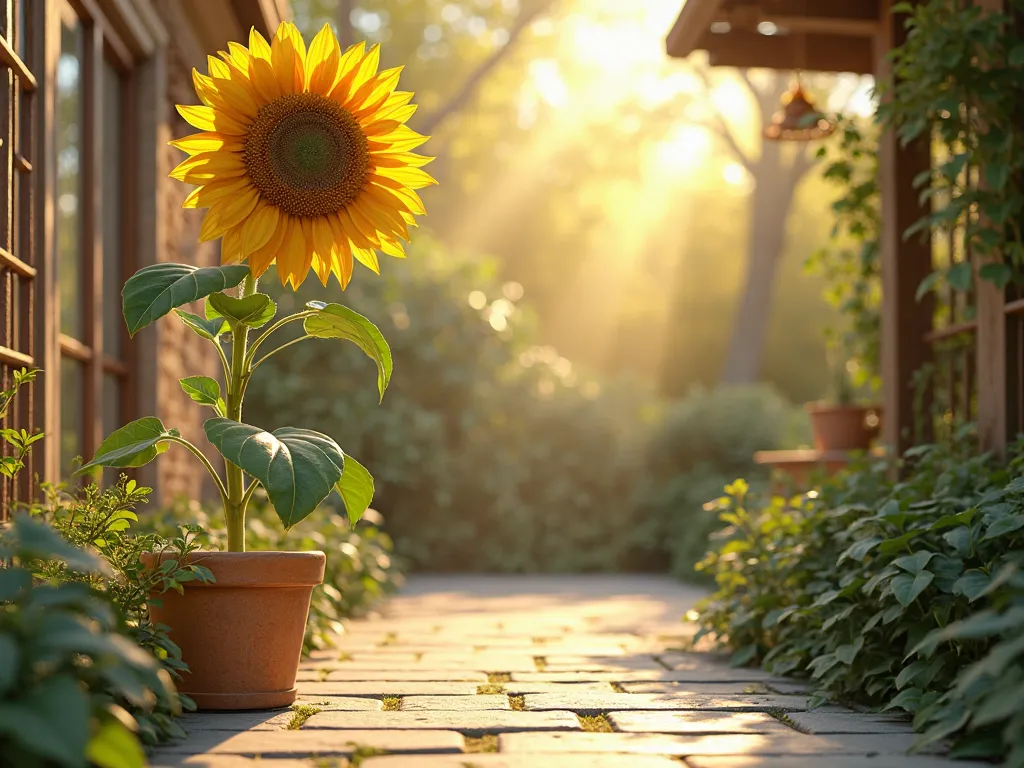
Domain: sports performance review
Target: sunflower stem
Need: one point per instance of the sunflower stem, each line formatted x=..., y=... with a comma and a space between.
x=237, y=499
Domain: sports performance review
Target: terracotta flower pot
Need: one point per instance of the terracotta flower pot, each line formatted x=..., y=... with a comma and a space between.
x=242, y=635
x=843, y=428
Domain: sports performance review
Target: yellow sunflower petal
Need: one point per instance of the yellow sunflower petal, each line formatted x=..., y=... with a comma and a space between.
x=208, y=119
x=288, y=56
x=390, y=198
x=360, y=229
x=260, y=227
x=231, y=246
x=217, y=67
x=228, y=213
x=354, y=79
x=292, y=251
x=398, y=159
x=206, y=195
x=373, y=94
x=414, y=178
x=382, y=217
x=261, y=260
x=368, y=258
x=392, y=248
x=402, y=139
x=209, y=166
x=322, y=61
x=258, y=45
x=208, y=141
x=342, y=268
x=348, y=65
x=325, y=246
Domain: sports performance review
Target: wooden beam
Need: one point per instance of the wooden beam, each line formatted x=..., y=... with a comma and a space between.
x=854, y=10
x=905, y=320
x=991, y=345
x=693, y=21
x=820, y=53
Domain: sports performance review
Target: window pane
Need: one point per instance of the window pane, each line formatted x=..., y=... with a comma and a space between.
x=111, y=403
x=72, y=427
x=69, y=193
x=111, y=206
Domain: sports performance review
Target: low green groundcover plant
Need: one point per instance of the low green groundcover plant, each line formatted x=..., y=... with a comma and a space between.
x=905, y=595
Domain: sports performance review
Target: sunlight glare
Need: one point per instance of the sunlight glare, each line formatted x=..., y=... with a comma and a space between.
x=684, y=149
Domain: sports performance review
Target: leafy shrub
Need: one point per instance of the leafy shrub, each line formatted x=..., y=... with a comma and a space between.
x=360, y=571
x=66, y=669
x=494, y=454
x=101, y=521
x=903, y=595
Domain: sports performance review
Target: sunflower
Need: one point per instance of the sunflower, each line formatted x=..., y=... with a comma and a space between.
x=304, y=157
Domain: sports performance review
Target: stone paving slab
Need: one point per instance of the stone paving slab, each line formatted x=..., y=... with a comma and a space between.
x=380, y=688
x=604, y=702
x=696, y=722
x=834, y=761
x=455, y=703
x=835, y=723
x=473, y=723
x=517, y=664
x=234, y=761
x=302, y=743
x=522, y=761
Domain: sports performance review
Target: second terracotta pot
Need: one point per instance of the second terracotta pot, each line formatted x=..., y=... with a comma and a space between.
x=242, y=635
x=843, y=428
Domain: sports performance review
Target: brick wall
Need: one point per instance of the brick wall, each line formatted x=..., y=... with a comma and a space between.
x=180, y=352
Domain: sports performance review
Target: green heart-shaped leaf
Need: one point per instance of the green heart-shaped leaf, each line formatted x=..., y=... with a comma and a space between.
x=134, y=444
x=355, y=488
x=254, y=311
x=208, y=329
x=155, y=290
x=203, y=390
x=334, y=321
x=298, y=467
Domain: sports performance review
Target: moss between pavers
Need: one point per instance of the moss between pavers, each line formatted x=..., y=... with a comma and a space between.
x=540, y=662
x=595, y=723
x=300, y=714
x=499, y=677
x=490, y=688
x=390, y=638
x=488, y=742
x=662, y=662
x=517, y=703
x=783, y=717
x=391, y=703
x=617, y=687
x=362, y=752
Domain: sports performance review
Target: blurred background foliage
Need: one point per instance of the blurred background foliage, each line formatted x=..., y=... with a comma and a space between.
x=562, y=323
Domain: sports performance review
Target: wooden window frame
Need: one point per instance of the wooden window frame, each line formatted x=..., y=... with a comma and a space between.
x=102, y=45
x=18, y=259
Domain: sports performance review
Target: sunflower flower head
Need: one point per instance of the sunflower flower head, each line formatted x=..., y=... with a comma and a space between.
x=303, y=157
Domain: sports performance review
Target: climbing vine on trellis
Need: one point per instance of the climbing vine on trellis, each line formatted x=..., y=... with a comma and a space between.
x=958, y=83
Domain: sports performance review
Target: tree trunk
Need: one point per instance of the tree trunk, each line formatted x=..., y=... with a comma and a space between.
x=346, y=34
x=769, y=210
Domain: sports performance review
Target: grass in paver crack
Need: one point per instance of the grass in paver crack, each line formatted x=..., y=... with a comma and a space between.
x=390, y=638
x=499, y=677
x=345, y=657
x=392, y=703
x=595, y=723
x=490, y=689
x=783, y=717
x=418, y=656
x=518, y=703
x=322, y=674
x=755, y=688
x=325, y=762
x=362, y=752
x=617, y=687
x=538, y=640
x=540, y=662
x=662, y=662
x=300, y=714
x=488, y=742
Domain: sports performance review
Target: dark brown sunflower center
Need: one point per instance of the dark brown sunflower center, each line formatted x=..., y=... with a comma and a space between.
x=307, y=154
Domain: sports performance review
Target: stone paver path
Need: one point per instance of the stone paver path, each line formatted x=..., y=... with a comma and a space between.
x=540, y=672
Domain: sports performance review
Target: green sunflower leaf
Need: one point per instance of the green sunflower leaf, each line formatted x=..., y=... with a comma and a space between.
x=254, y=311
x=134, y=444
x=355, y=488
x=155, y=290
x=298, y=467
x=334, y=321
x=203, y=390
x=208, y=329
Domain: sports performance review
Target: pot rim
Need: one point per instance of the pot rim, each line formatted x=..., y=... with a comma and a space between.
x=252, y=569
x=822, y=406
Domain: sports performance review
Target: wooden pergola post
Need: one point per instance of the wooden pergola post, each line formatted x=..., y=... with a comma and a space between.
x=905, y=263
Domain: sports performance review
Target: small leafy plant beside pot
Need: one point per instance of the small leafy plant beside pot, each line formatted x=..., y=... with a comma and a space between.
x=843, y=423
x=303, y=160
